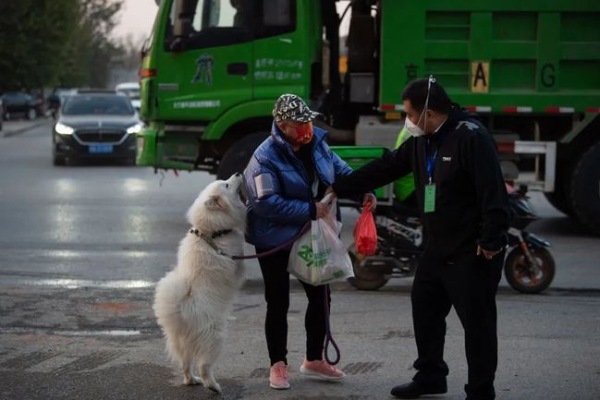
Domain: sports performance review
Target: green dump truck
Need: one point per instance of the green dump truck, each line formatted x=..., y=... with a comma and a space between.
x=212, y=70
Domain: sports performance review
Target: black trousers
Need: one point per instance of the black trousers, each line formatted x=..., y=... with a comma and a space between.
x=471, y=288
x=277, y=295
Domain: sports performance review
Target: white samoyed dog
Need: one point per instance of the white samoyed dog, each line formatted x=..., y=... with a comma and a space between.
x=193, y=300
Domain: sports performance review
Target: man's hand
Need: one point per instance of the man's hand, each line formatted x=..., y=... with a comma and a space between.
x=322, y=210
x=487, y=253
x=370, y=198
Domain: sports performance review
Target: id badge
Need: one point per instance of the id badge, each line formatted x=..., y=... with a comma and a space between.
x=429, y=198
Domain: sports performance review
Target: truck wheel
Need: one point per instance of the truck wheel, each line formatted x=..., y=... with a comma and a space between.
x=525, y=279
x=559, y=200
x=364, y=279
x=584, y=195
x=238, y=155
x=560, y=197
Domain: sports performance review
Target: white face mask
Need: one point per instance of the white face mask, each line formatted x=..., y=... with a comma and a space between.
x=413, y=129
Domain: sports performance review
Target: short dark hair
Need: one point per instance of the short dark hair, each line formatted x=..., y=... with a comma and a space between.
x=416, y=93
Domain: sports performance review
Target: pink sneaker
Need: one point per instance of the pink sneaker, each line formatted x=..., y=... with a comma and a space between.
x=279, y=376
x=321, y=369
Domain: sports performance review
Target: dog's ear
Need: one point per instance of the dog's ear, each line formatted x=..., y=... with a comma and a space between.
x=215, y=203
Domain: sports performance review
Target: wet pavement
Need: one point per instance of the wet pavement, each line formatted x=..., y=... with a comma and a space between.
x=82, y=246
x=15, y=127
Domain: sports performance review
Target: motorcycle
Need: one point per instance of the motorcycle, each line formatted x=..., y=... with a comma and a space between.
x=529, y=266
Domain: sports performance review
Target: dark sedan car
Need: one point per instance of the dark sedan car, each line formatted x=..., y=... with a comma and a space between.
x=94, y=126
x=19, y=103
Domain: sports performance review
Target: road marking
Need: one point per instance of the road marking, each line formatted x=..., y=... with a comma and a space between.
x=89, y=362
x=59, y=332
x=77, y=283
x=25, y=361
x=362, y=367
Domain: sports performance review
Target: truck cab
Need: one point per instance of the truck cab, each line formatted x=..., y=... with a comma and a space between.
x=213, y=71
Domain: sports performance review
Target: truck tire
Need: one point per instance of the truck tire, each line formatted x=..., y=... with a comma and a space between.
x=560, y=197
x=559, y=200
x=584, y=196
x=238, y=155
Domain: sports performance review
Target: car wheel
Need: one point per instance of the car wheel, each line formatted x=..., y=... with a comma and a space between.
x=31, y=114
x=59, y=161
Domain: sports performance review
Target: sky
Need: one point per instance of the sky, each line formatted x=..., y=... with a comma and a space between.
x=137, y=18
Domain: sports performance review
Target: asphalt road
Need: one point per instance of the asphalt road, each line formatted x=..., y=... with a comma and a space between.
x=81, y=248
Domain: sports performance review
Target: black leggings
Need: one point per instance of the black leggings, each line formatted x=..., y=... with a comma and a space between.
x=277, y=295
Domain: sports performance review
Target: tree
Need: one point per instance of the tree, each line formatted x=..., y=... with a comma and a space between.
x=34, y=33
x=91, y=48
x=56, y=42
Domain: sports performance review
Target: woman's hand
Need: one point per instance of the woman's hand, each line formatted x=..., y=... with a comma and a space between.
x=370, y=198
x=330, y=191
x=322, y=210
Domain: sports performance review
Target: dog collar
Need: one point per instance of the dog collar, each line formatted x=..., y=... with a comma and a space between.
x=210, y=239
x=214, y=235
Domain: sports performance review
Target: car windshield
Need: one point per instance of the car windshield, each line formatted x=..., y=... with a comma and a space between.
x=11, y=96
x=98, y=105
x=133, y=94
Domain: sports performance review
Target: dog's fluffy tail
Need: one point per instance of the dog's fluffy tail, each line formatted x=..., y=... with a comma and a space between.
x=170, y=292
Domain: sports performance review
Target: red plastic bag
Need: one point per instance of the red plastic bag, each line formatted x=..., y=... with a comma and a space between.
x=365, y=233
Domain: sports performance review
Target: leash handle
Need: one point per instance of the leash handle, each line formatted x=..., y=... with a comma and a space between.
x=305, y=229
x=328, y=336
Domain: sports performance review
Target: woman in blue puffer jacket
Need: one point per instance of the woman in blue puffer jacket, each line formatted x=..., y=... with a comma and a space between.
x=284, y=179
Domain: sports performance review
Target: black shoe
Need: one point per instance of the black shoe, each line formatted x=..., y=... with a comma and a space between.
x=414, y=389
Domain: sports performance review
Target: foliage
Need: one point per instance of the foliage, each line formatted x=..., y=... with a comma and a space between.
x=56, y=42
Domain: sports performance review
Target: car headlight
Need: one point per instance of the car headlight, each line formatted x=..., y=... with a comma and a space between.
x=63, y=129
x=135, y=129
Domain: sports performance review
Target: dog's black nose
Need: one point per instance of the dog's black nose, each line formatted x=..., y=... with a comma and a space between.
x=237, y=174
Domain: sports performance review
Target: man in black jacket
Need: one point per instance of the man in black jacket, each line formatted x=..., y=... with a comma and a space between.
x=463, y=201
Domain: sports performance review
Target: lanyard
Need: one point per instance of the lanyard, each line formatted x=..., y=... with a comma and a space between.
x=431, y=161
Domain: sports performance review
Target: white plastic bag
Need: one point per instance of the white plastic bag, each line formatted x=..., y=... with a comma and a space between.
x=319, y=257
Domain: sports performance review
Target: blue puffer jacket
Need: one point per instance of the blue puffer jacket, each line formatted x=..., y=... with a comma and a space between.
x=278, y=188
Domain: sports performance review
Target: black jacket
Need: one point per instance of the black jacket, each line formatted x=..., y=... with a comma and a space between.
x=471, y=204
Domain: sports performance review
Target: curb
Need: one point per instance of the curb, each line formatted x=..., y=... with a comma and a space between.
x=22, y=130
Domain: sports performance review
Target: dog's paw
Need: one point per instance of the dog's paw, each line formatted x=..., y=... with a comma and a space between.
x=191, y=380
x=215, y=387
